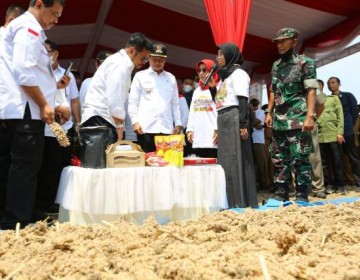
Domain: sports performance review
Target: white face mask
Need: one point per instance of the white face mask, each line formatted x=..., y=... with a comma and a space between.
x=196, y=84
x=187, y=88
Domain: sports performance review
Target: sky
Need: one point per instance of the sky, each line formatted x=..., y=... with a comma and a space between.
x=347, y=70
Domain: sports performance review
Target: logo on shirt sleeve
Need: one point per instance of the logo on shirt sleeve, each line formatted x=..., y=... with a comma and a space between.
x=33, y=32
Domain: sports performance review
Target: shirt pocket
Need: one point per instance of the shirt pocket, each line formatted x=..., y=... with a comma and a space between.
x=293, y=83
x=148, y=87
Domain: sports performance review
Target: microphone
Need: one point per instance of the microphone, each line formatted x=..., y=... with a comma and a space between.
x=212, y=71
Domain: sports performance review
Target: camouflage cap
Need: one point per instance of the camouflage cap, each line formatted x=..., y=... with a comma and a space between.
x=285, y=33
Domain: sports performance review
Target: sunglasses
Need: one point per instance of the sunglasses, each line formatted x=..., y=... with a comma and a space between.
x=202, y=70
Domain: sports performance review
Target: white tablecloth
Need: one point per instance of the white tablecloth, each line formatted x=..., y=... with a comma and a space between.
x=168, y=193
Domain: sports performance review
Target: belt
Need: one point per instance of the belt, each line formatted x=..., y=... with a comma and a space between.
x=227, y=109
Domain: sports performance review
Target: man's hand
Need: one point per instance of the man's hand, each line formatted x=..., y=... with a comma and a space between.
x=244, y=133
x=215, y=137
x=258, y=124
x=269, y=120
x=177, y=129
x=190, y=136
x=47, y=114
x=63, y=82
x=308, y=124
x=138, y=129
x=63, y=112
x=340, y=139
x=120, y=133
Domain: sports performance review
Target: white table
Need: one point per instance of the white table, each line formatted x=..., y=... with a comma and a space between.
x=168, y=193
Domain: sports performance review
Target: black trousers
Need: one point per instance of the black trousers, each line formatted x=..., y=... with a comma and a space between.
x=147, y=141
x=206, y=152
x=54, y=160
x=4, y=163
x=331, y=156
x=350, y=149
x=24, y=151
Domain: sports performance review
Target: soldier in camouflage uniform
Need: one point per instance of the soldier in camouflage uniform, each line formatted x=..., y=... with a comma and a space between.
x=291, y=114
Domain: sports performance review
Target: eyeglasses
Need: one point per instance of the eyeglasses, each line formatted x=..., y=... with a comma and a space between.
x=202, y=70
x=144, y=60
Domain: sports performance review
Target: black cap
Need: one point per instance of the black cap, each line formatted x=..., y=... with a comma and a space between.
x=102, y=55
x=159, y=50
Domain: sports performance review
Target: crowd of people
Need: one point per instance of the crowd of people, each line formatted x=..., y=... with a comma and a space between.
x=294, y=144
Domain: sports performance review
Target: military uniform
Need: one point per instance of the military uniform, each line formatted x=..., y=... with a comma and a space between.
x=291, y=147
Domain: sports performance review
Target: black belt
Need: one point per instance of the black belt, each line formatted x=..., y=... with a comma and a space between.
x=227, y=109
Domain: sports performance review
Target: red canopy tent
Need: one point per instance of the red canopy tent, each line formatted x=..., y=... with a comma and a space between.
x=326, y=27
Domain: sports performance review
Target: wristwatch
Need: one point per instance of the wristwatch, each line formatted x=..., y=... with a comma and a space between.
x=267, y=111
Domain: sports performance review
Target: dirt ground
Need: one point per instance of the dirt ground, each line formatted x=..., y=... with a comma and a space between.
x=321, y=242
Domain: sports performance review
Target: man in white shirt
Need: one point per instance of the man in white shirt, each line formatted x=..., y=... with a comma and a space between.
x=27, y=97
x=100, y=58
x=108, y=92
x=55, y=157
x=154, y=101
x=258, y=143
x=12, y=12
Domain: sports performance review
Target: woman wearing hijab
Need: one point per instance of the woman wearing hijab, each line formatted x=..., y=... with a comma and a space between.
x=202, y=124
x=234, y=139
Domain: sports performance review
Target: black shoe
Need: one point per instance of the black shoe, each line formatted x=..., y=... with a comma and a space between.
x=281, y=198
x=301, y=199
x=342, y=191
x=319, y=194
x=329, y=189
x=292, y=193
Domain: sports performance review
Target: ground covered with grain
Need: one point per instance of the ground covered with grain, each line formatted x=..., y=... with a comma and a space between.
x=320, y=242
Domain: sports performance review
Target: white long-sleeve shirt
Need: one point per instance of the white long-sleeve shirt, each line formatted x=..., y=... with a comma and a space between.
x=109, y=89
x=258, y=135
x=184, y=111
x=154, y=101
x=24, y=61
x=64, y=97
x=202, y=119
x=83, y=90
x=71, y=92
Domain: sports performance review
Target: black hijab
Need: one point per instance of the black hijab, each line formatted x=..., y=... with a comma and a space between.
x=233, y=59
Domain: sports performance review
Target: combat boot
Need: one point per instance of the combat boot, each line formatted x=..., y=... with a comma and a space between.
x=302, y=193
x=281, y=192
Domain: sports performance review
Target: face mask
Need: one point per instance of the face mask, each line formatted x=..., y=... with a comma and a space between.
x=288, y=54
x=196, y=84
x=187, y=88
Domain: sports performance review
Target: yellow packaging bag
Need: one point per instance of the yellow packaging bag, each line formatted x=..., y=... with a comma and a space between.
x=171, y=148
